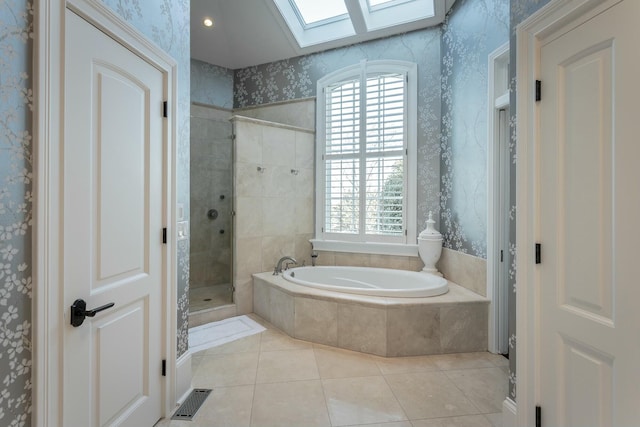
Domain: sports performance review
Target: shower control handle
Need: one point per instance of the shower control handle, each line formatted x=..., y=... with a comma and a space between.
x=212, y=214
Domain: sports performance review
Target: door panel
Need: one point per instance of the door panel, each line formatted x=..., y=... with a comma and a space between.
x=122, y=232
x=112, y=248
x=585, y=182
x=128, y=378
x=588, y=223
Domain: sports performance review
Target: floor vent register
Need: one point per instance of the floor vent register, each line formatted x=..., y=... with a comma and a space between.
x=192, y=404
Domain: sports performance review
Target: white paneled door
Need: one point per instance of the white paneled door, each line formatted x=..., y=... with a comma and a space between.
x=111, y=239
x=589, y=210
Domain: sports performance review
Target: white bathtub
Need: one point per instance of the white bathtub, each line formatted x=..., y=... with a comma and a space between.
x=369, y=281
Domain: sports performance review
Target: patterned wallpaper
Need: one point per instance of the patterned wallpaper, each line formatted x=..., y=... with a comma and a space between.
x=167, y=24
x=296, y=78
x=473, y=29
x=211, y=84
x=16, y=174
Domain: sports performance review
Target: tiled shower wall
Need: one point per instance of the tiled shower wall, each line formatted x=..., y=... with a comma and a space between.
x=274, y=185
x=211, y=188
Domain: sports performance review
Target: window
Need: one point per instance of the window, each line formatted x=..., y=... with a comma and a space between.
x=366, y=159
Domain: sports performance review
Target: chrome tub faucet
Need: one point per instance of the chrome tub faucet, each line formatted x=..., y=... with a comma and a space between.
x=278, y=268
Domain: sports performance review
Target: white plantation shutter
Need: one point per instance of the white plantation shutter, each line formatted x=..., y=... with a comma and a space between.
x=385, y=148
x=342, y=151
x=365, y=154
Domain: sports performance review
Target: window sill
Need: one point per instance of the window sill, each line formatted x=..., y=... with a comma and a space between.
x=365, y=248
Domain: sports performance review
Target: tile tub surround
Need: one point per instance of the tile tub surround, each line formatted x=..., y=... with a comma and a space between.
x=464, y=269
x=351, y=259
x=455, y=322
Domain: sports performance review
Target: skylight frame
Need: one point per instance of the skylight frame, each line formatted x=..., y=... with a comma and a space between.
x=390, y=3
x=361, y=23
x=396, y=13
x=316, y=33
x=308, y=25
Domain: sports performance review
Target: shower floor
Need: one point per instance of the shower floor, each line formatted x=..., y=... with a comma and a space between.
x=205, y=297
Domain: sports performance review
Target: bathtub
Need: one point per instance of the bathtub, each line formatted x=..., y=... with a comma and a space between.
x=381, y=282
x=389, y=326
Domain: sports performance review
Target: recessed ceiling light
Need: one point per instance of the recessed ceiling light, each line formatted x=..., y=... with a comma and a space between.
x=208, y=22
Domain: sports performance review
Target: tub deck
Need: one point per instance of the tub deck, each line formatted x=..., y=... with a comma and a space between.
x=451, y=323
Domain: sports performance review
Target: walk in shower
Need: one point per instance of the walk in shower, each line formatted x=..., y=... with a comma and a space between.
x=211, y=202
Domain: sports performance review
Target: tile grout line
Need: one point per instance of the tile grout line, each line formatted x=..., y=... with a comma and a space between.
x=253, y=397
x=404, y=411
x=324, y=395
x=463, y=393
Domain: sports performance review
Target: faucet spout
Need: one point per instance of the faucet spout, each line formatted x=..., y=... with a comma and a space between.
x=278, y=268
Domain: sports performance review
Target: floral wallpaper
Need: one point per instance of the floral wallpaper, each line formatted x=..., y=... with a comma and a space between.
x=296, y=78
x=167, y=24
x=16, y=173
x=211, y=84
x=473, y=29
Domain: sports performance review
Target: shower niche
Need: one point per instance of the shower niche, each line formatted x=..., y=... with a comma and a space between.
x=211, y=200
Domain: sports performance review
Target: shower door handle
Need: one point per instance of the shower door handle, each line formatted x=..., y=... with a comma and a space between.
x=79, y=311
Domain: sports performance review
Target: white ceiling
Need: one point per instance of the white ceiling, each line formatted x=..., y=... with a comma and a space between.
x=252, y=32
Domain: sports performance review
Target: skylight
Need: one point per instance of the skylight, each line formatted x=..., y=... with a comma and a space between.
x=314, y=11
x=332, y=22
x=374, y=3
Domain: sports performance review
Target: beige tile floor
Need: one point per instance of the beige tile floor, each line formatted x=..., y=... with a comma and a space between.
x=270, y=379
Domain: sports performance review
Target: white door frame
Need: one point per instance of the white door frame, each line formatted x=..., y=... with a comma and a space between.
x=495, y=209
x=554, y=19
x=48, y=312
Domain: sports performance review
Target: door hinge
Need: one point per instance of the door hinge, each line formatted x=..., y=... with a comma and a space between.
x=538, y=416
x=501, y=256
x=164, y=235
x=165, y=109
x=538, y=90
x=406, y=232
x=538, y=253
x=164, y=367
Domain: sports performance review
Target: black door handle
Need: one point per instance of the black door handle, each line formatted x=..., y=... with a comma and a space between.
x=79, y=311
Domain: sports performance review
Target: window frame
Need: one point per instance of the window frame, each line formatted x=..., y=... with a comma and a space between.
x=371, y=244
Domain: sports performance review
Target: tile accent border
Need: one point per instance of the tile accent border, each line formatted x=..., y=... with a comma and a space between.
x=455, y=322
